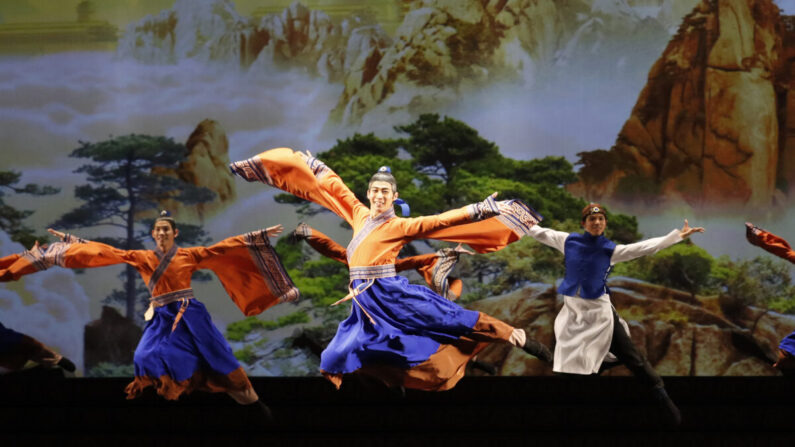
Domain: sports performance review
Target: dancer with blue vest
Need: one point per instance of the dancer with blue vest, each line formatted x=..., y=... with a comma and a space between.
x=588, y=331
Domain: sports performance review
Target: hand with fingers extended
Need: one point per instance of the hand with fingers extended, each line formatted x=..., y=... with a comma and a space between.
x=461, y=249
x=60, y=235
x=274, y=230
x=38, y=247
x=306, y=154
x=487, y=208
x=687, y=230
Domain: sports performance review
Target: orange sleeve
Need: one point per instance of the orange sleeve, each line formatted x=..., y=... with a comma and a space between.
x=435, y=269
x=77, y=254
x=771, y=243
x=92, y=254
x=420, y=227
x=327, y=247
x=18, y=265
x=419, y=263
x=307, y=178
x=494, y=233
x=249, y=270
x=6, y=261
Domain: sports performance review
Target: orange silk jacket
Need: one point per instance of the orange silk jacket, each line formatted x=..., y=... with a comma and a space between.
x=246, y=265
x=377, y=241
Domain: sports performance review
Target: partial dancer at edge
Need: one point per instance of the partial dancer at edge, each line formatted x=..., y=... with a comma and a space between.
x=434, y=267
x=588, y=331
x=181, y=350
x=779, y=247
x=403, y=334
x=16, y=349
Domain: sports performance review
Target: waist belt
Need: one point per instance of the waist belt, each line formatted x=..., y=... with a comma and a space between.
x=184, y=295
x=373, y=271
x=369, y=274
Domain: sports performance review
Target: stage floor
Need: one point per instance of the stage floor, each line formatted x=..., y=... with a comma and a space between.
x=45, y=408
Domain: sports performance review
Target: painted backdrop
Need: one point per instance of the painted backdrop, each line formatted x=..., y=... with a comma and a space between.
x=660, y=109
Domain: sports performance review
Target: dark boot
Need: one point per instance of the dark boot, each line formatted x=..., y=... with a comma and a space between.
x=260, y=412
x=67, y=364
x=674, y=417
x=398, y=391
x=537, y=349
x=608, y=365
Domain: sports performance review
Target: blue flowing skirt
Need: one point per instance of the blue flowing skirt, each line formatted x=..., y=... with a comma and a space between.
x=196, y=344
x=788, y=344
x=411, y=323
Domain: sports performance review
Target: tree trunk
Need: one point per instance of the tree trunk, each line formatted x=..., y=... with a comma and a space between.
x=129, y=286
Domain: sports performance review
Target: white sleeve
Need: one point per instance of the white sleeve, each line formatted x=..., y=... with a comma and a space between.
x=648, y=247
x=551, y=238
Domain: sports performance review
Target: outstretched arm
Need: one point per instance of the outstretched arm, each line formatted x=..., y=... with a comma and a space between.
x=321, y=243
x=249, y=269
x=769, y=242
x=514, y=221
x=650, y=246
x=75, y=252
x=421, y=227
x=551, y=238
x=303, y=176
x=71, y=252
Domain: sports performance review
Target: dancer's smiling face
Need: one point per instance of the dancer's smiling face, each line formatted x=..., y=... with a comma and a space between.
x=595, y=224
x=381, y=197
x=163, y=234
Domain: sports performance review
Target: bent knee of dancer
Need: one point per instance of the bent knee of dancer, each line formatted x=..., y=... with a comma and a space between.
x=39, y=353
x=490, y=329
x=47, y=357
x=245, y=396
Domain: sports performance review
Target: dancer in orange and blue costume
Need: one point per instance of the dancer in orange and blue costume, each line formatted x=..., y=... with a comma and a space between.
x=434, y=267
x=403, y=334
x=781, y=248
x=16, y=348
x=181, y=350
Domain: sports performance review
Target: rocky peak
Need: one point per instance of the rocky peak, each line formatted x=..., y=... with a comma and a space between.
x=212, y=31
x=442, y=49
x=705, y=129
x=206, y=166
x=197, y=29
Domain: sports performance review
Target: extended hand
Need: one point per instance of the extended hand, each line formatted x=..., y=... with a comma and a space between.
x=752, y=234
x=687, y=230
x=460, y=249
x=752, y=228
x=57, y=233
x=274, y=230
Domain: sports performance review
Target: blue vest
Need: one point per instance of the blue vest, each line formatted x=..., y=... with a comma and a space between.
x=587, y=261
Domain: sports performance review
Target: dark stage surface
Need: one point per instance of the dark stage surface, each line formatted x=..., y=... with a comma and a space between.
x=43, y=408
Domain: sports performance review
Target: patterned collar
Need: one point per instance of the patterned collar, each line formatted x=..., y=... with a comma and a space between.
x=370, y=224
x=383, y=217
